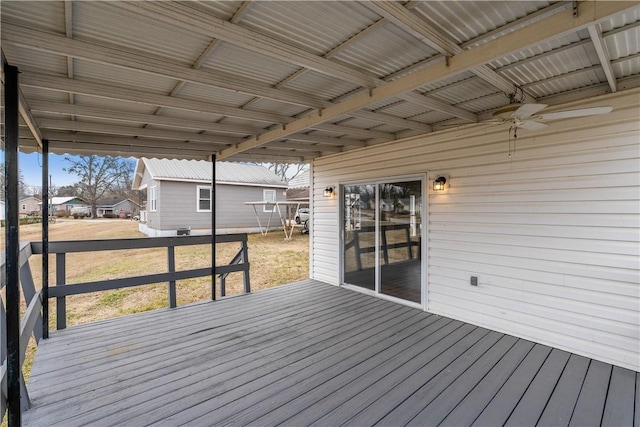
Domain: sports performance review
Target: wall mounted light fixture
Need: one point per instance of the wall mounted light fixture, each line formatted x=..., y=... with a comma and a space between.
x=439, y=183
x=328, y=192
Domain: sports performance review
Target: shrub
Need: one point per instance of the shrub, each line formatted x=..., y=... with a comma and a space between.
x=60, y=214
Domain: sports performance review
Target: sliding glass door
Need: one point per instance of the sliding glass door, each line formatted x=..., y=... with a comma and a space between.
x=382, y=237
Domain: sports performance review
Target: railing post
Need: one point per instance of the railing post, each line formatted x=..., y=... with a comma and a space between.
x=61, y=302
x=12, y=242
x=213, y=226
x=245, y=261
x=171, y=260
x=45, y=238
x=29, y=291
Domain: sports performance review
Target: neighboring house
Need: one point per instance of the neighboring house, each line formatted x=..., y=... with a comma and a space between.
x=179, y=195
x=64, y=204
x=299, y=187
x=30, y=205
x=117, y=207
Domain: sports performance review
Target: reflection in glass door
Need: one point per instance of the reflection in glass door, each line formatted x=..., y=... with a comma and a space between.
x=382, y=237
x=399, y=236
x=359, y=235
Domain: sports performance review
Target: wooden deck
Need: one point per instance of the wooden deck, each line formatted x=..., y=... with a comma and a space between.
x=310, y=353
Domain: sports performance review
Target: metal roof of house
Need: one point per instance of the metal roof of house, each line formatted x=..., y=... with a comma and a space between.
x=300, y=181
x=293, y=80
x=200, y=171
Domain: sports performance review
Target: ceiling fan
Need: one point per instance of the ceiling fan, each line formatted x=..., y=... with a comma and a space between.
x=526, y=116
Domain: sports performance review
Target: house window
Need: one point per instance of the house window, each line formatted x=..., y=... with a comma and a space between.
x=204, y=198
x=269, y=196
x=153, y=200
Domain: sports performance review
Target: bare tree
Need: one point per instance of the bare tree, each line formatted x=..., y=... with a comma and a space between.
x=22, y=186
x=286, y=171
x=98, y=176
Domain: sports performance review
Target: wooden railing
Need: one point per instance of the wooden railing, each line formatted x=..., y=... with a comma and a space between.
x=31, y=324
x=32, y=319
x=61, y=290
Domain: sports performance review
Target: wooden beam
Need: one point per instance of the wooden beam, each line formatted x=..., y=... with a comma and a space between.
x=138, y=118
x=105, y=129
x=557, y=25
x=146, y=63
x=110, y=91
x=425, y=32
x=25, y=113
x=57, y=135
x=195, y=20
x=603, y=55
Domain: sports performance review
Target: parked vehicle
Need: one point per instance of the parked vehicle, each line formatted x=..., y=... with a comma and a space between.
x=302, y=215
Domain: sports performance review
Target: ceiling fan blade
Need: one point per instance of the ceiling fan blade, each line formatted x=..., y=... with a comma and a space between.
x=528, y=110
x=531, y=125
x=575, y=113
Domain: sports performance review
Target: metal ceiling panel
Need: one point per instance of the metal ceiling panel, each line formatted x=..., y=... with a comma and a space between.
x=463, y=91
x=44, y=95
x=113, y=104
x=220, y=9
x=105, y=22
x=27, y=59
x=282, y=108
x=627, y=68
x=384, y=51
x=190, y=115
x=49, y=15
x=315, y=26
x=321, y=85
x=219, y=96
x=243, y=62
x=463, y=21
x=623, y=44
x=88, y=70
x=445, y=82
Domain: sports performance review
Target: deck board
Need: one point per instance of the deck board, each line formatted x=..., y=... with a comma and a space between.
x=311, y=353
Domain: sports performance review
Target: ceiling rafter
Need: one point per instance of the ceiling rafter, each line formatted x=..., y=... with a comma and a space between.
x=140, y=118
x=68, y=29
x=208, y=51
x=557, y=24
x=274, y=48
x=105, y=90
x=148, y=63
x=107, y=129
x=187, y=17
x=421, y=29
x=603, y=55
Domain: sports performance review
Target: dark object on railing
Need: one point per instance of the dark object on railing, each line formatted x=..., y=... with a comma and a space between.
x=184, y=231
x=61, y=248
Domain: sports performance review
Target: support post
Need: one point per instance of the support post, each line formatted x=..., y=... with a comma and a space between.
x=12, y=244
x=45, y=238
x=213, y=226
x=171, y=260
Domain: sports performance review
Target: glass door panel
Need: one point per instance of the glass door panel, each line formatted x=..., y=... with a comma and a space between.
x=359, y=248
x=400, y=207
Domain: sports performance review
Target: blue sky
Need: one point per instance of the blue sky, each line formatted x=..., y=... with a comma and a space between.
x=31, y=167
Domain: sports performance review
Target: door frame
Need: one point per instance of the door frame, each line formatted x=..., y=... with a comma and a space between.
x=423, y=177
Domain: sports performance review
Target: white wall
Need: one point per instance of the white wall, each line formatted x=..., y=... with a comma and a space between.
x=553, y=233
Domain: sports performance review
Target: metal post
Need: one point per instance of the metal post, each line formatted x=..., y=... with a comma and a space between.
x=213, y=227
x=45, y=238
x=13, y=244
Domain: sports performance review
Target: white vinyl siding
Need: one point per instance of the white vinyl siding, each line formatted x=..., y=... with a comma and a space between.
x=553, y=233
x=203, y=196
x=153, y=199
x=269, y=196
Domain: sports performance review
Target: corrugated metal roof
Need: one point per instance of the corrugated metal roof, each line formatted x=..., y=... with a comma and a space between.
x=300, y=181
x=200, y=170
x=275, y=68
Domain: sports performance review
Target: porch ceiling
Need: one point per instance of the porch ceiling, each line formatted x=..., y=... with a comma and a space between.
x=291, y=81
